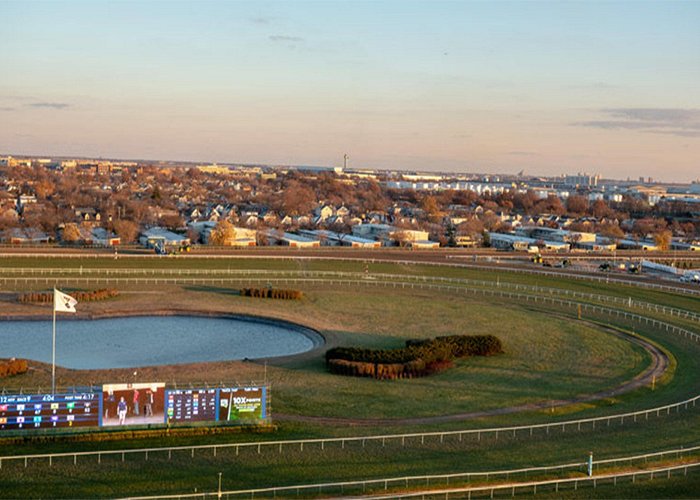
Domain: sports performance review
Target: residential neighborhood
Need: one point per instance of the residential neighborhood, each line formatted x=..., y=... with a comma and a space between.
x=171, y=207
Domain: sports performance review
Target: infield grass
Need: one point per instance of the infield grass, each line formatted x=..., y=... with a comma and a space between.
x=549, y=355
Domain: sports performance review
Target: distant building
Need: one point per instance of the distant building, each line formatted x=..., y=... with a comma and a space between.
x=318, y=170
x=17, y=236
x=331, y=238
x=292, y=240
x=245, y=237
x=582, y=180
x=100, y=236
x=392, y=235
x=627, y=244
x=157, y=237
x=505, y=241
x=214, y=169
x=561, y=235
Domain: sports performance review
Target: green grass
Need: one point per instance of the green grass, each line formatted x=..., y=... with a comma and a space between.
x=248, y=469
x=545, y=357
x=549, y=354
x=691, y=303
x=678, y=486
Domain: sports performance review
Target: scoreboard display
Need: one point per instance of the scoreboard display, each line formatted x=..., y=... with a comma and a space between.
x=242, y=403
x=191, y=405
x=47, y=411
x=133, y=404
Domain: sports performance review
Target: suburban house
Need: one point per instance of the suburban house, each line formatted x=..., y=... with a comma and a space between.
x=100, y=236
x=18, y=236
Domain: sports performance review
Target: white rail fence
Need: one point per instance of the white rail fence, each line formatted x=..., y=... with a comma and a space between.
x=106, y=275
x=421, y=483
x=412, y=285
x=404, y=262
x=383, y=440
x=555, y=485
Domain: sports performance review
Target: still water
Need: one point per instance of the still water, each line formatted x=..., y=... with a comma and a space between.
x=151, y=340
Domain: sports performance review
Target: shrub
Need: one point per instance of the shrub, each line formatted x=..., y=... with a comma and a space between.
x=13, y=367
x=418, y=358
x=271, y=293
x=47, y=297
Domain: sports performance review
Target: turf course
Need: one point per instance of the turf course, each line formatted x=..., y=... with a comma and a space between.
x=549, y=355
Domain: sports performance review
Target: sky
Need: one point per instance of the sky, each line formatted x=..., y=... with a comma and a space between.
x=461, y=86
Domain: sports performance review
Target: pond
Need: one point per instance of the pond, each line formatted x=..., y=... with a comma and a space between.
x=153, y=340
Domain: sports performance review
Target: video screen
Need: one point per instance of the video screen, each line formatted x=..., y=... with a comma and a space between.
x=46, y=411
x=133, y=404
x=242, y=404
x=191, y=405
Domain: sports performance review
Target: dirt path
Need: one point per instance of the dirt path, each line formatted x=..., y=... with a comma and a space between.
x=659, y=364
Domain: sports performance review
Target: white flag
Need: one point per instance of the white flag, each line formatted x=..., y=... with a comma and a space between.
x=63, y=302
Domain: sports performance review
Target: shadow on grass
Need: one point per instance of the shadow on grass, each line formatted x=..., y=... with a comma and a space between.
x=213, y=289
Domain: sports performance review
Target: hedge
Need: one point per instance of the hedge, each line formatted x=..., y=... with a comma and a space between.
x=13, y=367
x=271, y=293
x=47, y=297
x=417, y=359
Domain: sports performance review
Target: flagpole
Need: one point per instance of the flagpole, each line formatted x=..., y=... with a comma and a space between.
x=53, y=348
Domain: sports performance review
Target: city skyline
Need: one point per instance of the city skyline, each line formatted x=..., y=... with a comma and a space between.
x=498, y=87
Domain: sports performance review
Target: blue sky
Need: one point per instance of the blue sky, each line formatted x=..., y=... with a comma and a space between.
x=548, y=87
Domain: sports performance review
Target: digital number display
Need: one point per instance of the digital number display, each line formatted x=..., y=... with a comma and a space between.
x=191, y=405
x=46, y=411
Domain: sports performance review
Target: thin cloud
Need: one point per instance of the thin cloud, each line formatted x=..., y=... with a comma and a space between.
x=679, y=133
x=7, y=108
x=285, y=38
x=16, y=98
x=49, y=105
x=670, y=121
x=669, y=115
x=262, y=19
x=595, y=86
x=523, y=153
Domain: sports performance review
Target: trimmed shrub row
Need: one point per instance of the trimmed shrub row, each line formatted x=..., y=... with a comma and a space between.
x=466, y=345
x=13, y=367
x=271, y=293
x=47, y=297
x=419, y=358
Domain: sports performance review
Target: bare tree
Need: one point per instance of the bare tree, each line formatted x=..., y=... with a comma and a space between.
x=223, y=234
x=71, y=233
x=126, y=230
x=663, y=239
